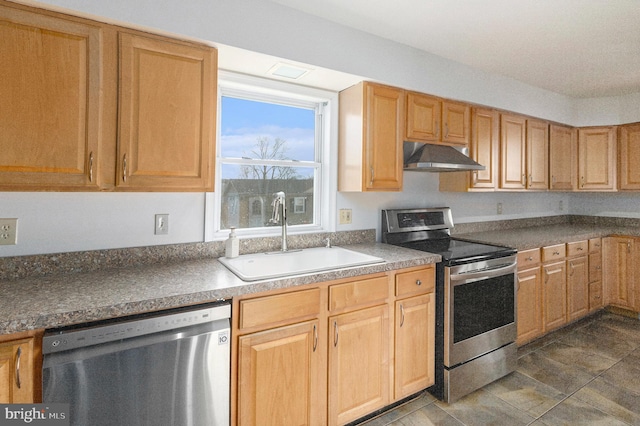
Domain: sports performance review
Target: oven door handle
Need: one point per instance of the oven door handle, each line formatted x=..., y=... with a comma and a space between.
x=466, y=277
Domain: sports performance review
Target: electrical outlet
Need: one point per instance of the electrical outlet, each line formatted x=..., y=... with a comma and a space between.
x=345, y=216
x=499, y=208
x=162, y=224
x=8, y=232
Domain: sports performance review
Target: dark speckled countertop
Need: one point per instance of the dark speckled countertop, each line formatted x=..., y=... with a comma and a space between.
x=540, y=236
x=68, y=298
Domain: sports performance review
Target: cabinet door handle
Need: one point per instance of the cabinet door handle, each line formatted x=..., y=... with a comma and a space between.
x=401, y=315
x=315, y=337
x=628, y=247
x=91, y=166
x=523, y=181
x=475, y=177
x=530, y=180
x=572, y=268
x=372, y=176
x=18, y=357
x=446, y=130
x=335, y=333
x=124, y=168
x=437, y=129
x=582, y=181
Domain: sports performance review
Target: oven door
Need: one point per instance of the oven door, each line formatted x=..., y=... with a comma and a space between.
x=479, y=308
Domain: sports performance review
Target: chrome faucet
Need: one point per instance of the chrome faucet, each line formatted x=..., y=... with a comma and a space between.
x=279, y=215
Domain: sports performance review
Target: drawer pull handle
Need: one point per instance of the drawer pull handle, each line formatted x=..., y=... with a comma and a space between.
x=579, y=249
x=335, y=333
x=401, y=315
x=418, y=282
x=315, y=337
x=18, y=357
x=529, y=259
x=556, y=253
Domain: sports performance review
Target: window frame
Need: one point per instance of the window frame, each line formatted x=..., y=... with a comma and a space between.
x=325, y=180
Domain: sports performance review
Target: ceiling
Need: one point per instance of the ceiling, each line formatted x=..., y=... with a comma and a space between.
x=578, y=48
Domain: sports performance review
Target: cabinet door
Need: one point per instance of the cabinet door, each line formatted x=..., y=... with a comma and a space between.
x=385, y=117
x=358, y=363
x=455, y=123
x=512, y=152
x=529, y=301
x=537, y=154
x=554, y=277
x=423, y=118
x=563, y=158
x=277, y=372
x=167, y=115
x=596, y=158
x=577, y=287
x=618, y=271
x=629, y=157
x=414, y=345
x=17, y=372
x=485, y=127
x=51, y=102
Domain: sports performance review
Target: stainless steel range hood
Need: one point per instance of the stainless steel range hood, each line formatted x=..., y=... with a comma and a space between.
x=437, y=158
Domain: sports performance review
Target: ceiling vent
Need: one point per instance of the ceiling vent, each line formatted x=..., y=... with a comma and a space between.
x=292, y=72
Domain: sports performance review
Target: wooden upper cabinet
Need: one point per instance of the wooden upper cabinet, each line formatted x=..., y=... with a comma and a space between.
x=432, y=120
x=596, y=158
x=167, y=110
x=629, y=157
x=513, y=130
x=50, y=102
x=455, y=123
x=423, y=118
x=370, y=132
x=483, y=148
x=537, y=154
x=563, y=158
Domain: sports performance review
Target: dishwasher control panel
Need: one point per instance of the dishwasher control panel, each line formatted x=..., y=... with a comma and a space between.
x=58, y=340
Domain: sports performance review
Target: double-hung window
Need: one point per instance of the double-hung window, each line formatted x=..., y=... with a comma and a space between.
x=272, y=138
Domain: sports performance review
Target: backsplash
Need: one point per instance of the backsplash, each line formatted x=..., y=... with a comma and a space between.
x=12, y=268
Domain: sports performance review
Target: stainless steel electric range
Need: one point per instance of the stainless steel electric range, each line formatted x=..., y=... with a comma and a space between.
x=475, y=300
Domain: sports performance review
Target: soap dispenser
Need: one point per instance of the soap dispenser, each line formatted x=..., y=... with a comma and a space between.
x=232, y=247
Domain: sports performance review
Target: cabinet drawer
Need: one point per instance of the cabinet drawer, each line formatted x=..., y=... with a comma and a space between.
x=577, y=248
x=528, y=258
x=279, y=308
x=595, y=267
x=555, y=252
x=415, y=282
x=595, y=295
x=595, y=244
x=357, y=293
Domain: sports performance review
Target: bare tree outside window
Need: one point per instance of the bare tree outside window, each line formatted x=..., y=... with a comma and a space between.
x=267, y=149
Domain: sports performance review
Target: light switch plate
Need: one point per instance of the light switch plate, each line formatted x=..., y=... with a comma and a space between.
x=162, y=224
x=8, y=232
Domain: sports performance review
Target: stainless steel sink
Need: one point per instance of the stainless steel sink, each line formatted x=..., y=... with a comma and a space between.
x=261, y=266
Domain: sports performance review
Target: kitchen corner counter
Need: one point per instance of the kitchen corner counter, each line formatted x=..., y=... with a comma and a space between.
x=540, y=236
x=64, y=299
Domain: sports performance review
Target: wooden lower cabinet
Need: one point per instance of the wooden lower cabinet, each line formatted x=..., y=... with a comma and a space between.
x=276, y=380
x=358, y=363
x=529, y=302
x=577, y=287
x=619, y=263
x=415, y=352
x=331, y=353
x=20, y=366
x=554, y=278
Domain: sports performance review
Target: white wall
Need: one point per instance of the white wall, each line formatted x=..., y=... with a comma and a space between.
x=59, y=222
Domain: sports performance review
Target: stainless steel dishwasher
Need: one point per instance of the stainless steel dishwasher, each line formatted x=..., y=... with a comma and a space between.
x=164, y=369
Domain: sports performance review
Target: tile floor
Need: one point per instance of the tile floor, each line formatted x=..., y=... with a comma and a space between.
x=585, y=374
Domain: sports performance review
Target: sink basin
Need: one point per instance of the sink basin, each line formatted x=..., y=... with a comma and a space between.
x=261, y=266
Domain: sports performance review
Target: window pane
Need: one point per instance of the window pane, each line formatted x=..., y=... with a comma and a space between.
x=247, y=194
x=261, y=130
